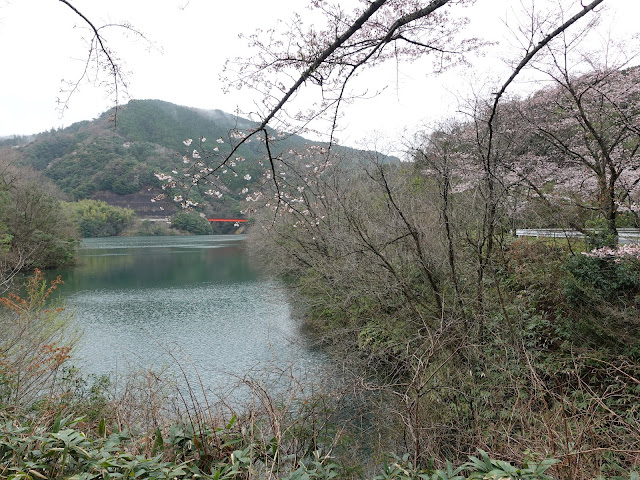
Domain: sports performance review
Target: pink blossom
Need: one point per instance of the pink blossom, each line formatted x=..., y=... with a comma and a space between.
x=622, y=252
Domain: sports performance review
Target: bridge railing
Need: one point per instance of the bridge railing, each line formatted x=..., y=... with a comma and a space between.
x=625, y=235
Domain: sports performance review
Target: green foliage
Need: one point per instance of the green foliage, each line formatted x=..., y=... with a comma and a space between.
x=627, y=220
x=52, y=146
x=191, y=222
x=604, y=302
x=99, y=165
x=597, y=280
x=600, y=235
x=64, y=452
x=477, y=468
x=37, y=230
x=96, y=218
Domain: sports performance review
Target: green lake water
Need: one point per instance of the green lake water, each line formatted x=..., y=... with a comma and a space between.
x=195, y=301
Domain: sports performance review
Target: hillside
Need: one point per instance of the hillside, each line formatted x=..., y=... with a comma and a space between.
x=116, y=163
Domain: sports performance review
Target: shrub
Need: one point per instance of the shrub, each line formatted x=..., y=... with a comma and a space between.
x=191, y=222
x=601, y=279
x=96, y=218
x=36, y=342
x=42, y=235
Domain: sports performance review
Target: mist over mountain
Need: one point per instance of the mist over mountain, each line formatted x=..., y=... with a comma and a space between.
x=115, y=158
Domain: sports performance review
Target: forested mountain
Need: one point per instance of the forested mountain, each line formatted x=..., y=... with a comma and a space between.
x=115, y=158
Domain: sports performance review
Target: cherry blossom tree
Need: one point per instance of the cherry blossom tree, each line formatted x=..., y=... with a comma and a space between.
x=294, y=57
x=591, y=126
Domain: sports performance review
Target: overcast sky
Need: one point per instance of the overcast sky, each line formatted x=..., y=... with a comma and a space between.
x=41, y=43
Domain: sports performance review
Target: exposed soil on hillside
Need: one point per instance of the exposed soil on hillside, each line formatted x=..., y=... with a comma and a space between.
x=140, y=203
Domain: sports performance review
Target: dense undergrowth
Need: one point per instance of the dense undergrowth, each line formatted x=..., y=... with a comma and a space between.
x=465, y=337
x=555, y=370
x=65, y=452
x=55, y=423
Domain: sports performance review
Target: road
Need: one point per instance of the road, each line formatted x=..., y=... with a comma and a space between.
x=625, y=235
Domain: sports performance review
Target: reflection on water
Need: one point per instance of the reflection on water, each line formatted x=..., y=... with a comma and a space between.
x=137, y=298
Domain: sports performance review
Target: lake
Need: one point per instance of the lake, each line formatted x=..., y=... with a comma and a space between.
x=194, y=301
